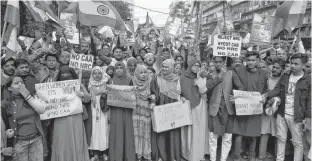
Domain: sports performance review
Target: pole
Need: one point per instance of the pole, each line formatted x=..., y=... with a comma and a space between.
x=224, y=29
x=4, y=28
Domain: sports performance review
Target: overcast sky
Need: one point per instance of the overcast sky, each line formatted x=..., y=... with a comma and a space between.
x=159, y=5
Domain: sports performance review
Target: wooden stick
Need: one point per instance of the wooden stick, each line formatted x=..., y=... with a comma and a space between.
x=4, y=28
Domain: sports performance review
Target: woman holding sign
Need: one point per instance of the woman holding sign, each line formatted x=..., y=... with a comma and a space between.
x=142, y=114
x=166, y=87
x=20, y=112
x=121, y=134
x=69, y=137
x=100, y=129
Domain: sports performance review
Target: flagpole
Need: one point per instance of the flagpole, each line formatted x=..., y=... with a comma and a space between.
x=4, y=28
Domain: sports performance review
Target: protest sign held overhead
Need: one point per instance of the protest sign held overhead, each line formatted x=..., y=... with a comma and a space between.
x=121, y=96
x=81, y=61
x=171, y=116
x=227, y=45
x=248, y=103
x=261, y=29
x=68, y=20
x=61, y=98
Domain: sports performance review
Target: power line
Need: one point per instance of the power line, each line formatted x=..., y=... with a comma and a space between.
x=147, y=8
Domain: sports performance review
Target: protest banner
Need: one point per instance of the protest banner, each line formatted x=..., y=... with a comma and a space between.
x=68, y=20
x=81, y=61
x=121, y=96
x=261, y=29
x=171, y=116
x=227, y=45
x=248, y=103
x=61, y=98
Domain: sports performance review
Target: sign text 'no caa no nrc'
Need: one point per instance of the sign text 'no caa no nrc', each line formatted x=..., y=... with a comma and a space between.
x=227, y=45
x=81, y=61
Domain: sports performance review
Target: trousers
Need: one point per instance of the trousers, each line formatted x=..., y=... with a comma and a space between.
x=213, y=145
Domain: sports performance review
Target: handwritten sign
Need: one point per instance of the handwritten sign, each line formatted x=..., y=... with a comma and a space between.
x=81, y=61
x=227, y=45
x=248, y=103
x=121, y=96
x=68, y=20
x=61, y=98
x=261, y=29
x=171, y=116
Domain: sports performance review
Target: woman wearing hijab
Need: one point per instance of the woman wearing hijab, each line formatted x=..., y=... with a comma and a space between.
x=142, y=114
x=166, y=88
x=131, y=66
x=194, y=137
x=100, y=129
x=69, y=138
x=121, y=134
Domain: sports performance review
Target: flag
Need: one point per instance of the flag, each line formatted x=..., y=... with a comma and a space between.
x=100, y=13
x=12, y=17
x=41, y=12
x=289, y=15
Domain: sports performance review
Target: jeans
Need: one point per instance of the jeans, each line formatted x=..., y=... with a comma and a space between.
x=226, y=146
x=307, y=141
x=30, y=150
x=283, y=124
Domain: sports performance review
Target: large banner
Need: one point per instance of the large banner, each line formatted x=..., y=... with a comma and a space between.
x=61, y=98
x=248, y=103
x=227, y=45
x=81, y=61
x=171, y=116
x=121, y=96
x=261, y=29
x=71, y=32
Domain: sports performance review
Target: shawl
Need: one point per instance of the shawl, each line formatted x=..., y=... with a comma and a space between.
x=169, y=84
x=123, y=79
x=142, y=86
x=189, y=88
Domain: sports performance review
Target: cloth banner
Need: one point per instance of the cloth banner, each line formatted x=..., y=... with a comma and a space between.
x=171, y=116
x=227, y=45
x=248, y=103
x=61, y=98
x=121, y=96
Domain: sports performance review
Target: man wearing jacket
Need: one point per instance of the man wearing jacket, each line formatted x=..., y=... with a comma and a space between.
x=294, y=91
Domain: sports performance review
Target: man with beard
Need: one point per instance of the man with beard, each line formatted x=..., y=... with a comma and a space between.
x=8, y=69
x=248, y=78
x=118, y=57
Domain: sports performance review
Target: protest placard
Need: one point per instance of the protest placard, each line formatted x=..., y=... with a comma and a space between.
x=171, y=116
x=68, y=20
x=261, y=29
x=81, y=61
x=227, y=45
x=121, y=96
x=225, y=21
x=248, y=103
x=125, y=40
x=61, y=98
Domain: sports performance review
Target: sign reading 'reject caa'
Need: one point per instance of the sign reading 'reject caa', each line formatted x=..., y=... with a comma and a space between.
x=81, y=61
x=227, y=45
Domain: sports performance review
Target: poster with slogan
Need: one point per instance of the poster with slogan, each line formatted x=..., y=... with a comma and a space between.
x=261, y=30
x=171, y=116
x=248, y=103
x=227, y=45
x=81, y=61
x=61, y=98
x=121, y=96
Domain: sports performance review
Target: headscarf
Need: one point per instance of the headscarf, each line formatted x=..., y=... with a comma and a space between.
x=71, y=74
x=169, y=84
x=170, y=76
x=188, y=73
x=143, y=86
x=131, y=61
x=110, y=68
x=121, y=80
x=105, y=78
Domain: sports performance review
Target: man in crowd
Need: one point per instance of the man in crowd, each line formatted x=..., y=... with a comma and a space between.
x=8, y=69
x=221, y=110
x=294, y=91
x=118, y=56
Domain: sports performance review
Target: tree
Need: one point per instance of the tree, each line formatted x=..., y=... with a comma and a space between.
x=123, y=8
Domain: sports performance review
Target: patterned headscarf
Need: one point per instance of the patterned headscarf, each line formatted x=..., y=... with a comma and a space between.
x=143, y=86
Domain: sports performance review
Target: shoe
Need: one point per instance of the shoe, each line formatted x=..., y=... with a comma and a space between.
x=236, y=158
x=245, y=155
